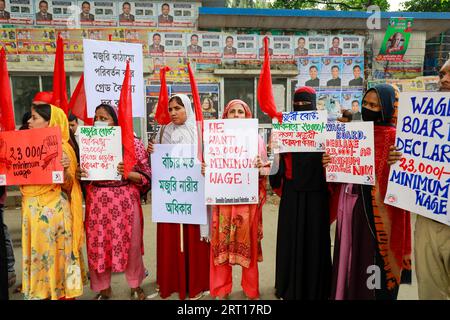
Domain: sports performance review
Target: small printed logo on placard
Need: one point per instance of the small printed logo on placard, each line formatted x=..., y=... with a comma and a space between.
x=253, y=198
x=332, y=177
x=57, y=177
x=209, y=200
x=2, y=179
x=369, y=179
x=391, y=198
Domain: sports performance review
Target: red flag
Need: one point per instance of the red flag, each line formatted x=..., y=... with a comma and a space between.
x=59, y=78
x=78, y=105
x=162, y=109
x=265, y=94
x=198, y=112
x=6, y=107
x=126, y=123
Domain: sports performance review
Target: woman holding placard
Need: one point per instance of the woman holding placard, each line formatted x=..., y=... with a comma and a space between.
x=182, y=256
x=372, y=258
x=237, y=229
x=114, y=220
x=303, y=261
x=52, y=222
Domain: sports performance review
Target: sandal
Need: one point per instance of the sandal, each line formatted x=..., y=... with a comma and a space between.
x=137, y=294
x=198, y=296
x=101, y=297
x=104, y=294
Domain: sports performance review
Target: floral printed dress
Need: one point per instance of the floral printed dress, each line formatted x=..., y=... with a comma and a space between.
x=50, y=269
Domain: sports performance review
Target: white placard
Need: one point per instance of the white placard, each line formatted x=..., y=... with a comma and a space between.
x=231, y=148
x=300, y=132
x=100, y=152
x=104, y=71
x=178, y=187
x=351, y=148
x=420, y=181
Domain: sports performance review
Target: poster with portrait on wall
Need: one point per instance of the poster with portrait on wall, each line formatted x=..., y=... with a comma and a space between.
x=246, y=46
x=334, y=47
x=331, y=72
x=98, y=13
x=210, y=43
x=330, y=101
x=174, y=44
x=56, y=13
x=280, y=47
x=352, y=45
x=351, y=100
x=17, y=12
x=138, y=14
x=209, y=97
x=177, y=15
x=317, y=45
x=300, y=44
x=353, y=72
x=309, y=72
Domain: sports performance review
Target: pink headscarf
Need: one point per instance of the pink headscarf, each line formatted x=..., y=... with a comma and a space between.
x=248, y=112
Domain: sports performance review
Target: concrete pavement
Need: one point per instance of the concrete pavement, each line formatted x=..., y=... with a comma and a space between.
x=120, y=287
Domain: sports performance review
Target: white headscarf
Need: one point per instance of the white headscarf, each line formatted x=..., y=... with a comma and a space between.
x=181, y=134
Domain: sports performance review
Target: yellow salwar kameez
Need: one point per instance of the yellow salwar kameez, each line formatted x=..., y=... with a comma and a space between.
x=52, y=231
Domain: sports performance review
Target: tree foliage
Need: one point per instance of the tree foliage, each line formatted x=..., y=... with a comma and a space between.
x=427, y=5
x=359, y=5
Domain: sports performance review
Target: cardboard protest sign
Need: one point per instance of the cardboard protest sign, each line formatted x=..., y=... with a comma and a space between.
x=31, y=157
x=104, y=70
x=396, y=40
x=420, y=181
x=231, y=149
x=351, y=148
x=300, y=132
x=100, y=152
x=178, y=186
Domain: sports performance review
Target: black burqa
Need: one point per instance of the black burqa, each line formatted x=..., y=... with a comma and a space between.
x=303, y=256
x=3, y=255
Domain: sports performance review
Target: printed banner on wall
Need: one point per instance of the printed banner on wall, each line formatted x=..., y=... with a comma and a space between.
x=230, y=156
x=100, y=152
x=300, y=132
x=104, y=71
x=420, y=181
x=396, y=39
x=351, y=149
x=178, y=187
x=31, y=157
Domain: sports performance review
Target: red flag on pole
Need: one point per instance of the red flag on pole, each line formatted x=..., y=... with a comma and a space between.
x=198, y=112
x=162, y=109
x=265, y=94
x=126, y=123
x=6, y=107
x=78, y=105
x=59, y=78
